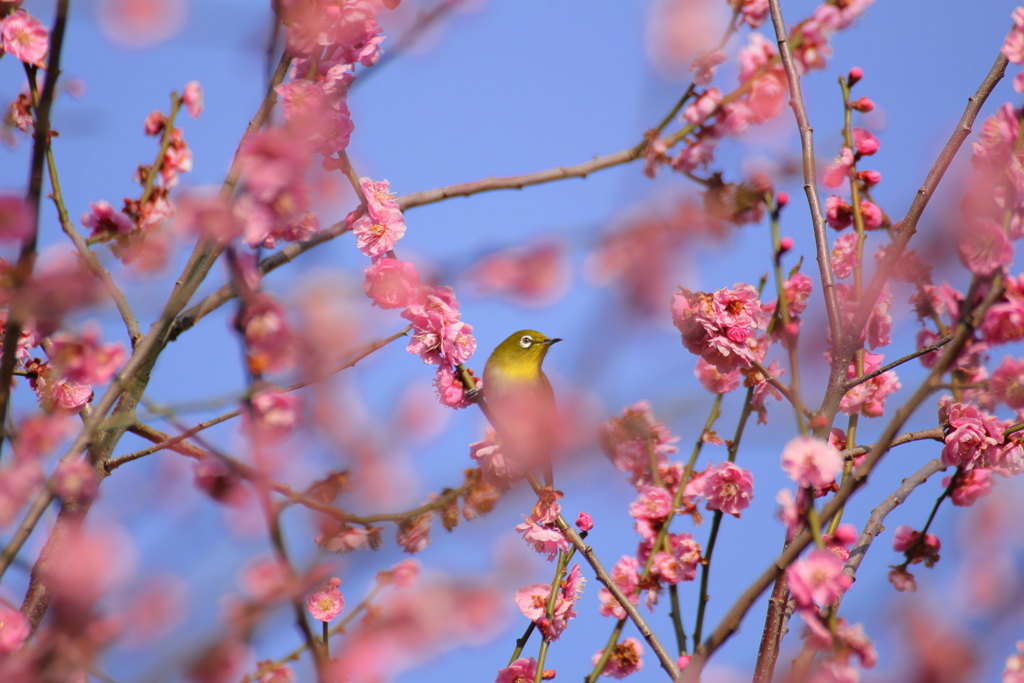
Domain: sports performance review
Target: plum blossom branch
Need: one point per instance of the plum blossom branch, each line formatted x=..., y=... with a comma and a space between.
x=27, y=256
x=731, y=621
x=810, y=180
x=783, y=389
x=835, y=390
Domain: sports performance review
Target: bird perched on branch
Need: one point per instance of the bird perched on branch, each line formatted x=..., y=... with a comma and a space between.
x=521, y=401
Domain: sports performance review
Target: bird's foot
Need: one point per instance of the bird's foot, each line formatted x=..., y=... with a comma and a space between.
x=474, y=395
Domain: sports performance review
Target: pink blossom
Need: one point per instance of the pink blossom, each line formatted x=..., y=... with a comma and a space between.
x=533, y=601
x=811, y=462
x=1014, y=671
x=270, y=344
x=970, y=486
x=878, y=330
x=818, y=578
x=1004, y=321
x=376, y=237
x=864, y=142
x=798, y=291
x=220, y=482
x=85, y=360
x=841, y=541
x=70, y=395
x=14, y=629
x=379, y=200
x=902, y=580
x=653, y=504
x=985, y=248
x=871, y=214
x=450, y=390
x=1018, y=80
x=756, y=55
x=282, y=673
x=973, y=435
x=767, y=97
x=16, y=221
x=457, y=343
x=868, y=398
x=519, y=671
x=326, y=603
x=763, y=390
x=906, y=541
x=349, y=539
x=624, y=660
x=585, y=522
x=76, y=480
x=713, y=380
x=654, y=157
x=192, y=98
x=703, y=107
x=1013, y=47
x=754, y=12
x=840, y=169
x=414, y=535
x=728, y=488
x=546, y=540
x=498, y=470
x=997, y=138
x=844, y=255
x=838, y=213
x=718, y=327
x=105, y=222
x=693, y=156
x=624, y=440
x=704, y=66
x=391, y=283
x=25, y=38
x=405, y=574
x=1007, y=383
x=681, y=563
x=275, y=413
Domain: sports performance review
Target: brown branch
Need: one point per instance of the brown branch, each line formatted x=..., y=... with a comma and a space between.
x=935, y=434
x=16, y=316
x=810, y=180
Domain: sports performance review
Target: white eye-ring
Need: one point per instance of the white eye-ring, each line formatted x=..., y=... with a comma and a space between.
x=526, y=342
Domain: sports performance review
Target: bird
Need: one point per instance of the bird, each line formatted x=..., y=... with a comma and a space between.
x=521, y=402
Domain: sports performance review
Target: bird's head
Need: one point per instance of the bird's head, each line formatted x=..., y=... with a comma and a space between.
x=521, y=354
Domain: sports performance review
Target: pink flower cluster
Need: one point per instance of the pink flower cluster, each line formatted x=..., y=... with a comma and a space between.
x=818, y=579
x=974, y=438
x=720, y=327
x=811, y=36
x=917, y=549
x=1013, y=47
x=533, y=603
x=77, y=362
x=539, y=529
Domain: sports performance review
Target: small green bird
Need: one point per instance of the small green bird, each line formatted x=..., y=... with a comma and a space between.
x=520, y=398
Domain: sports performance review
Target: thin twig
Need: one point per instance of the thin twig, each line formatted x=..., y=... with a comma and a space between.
x=898, y=362
x=783, y=389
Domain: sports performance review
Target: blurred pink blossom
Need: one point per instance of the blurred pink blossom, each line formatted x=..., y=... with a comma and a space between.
x=16, y=221
x=624, y=660
x=25, y=38
x=192, y=98
x=818, y=578
x=839, y=170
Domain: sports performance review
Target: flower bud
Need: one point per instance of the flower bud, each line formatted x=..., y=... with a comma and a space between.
x=863, y=105
x=785, y=244
x=856, y=73
x=781, y=199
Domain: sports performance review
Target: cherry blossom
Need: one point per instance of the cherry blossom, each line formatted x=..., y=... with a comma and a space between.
x=864, y=142
x=969, y=486
x=106, y=223
x=16, y=219
x=844, y=255
x=519, y=671
x=985, y=248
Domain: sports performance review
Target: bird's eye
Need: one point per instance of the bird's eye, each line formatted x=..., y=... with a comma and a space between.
x=526, y=341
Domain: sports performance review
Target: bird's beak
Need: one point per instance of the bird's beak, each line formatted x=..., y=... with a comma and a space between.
x=549, y=342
